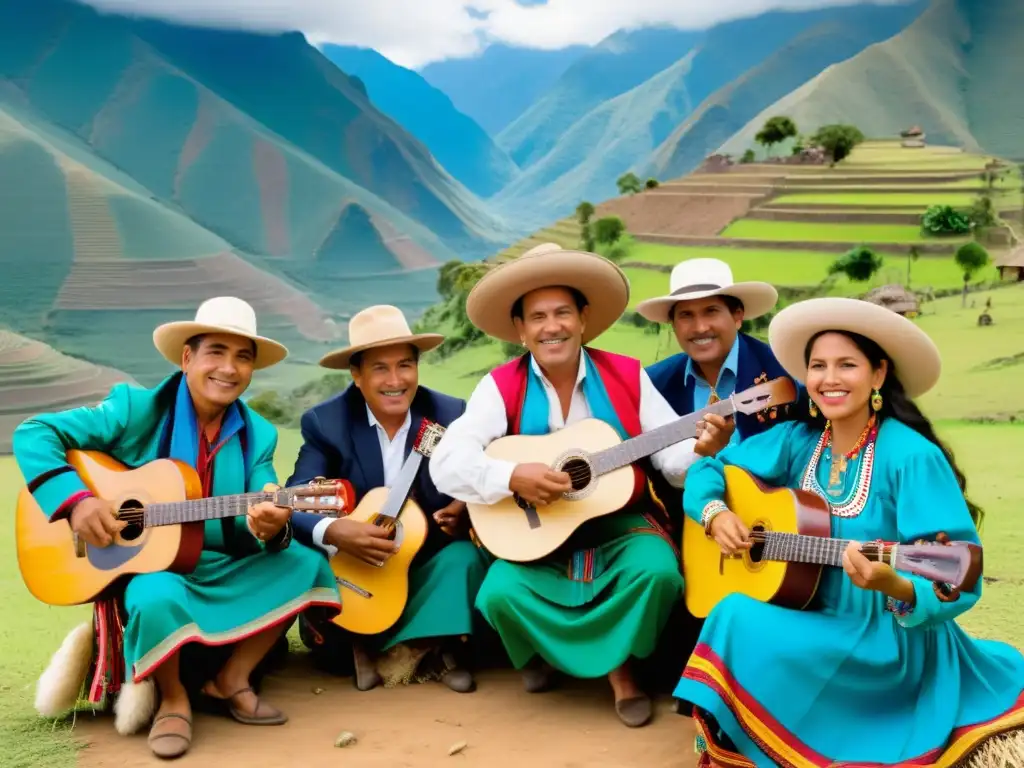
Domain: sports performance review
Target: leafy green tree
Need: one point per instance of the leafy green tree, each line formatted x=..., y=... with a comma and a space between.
x=775, y=131
x=584, y=211
x=651, y=183
x=971, y=258
x=608, y=229
x=983, y=214
x=837, y=140
x=912, y=255
x=858, y=264
x=748, y=157
x=628, y=183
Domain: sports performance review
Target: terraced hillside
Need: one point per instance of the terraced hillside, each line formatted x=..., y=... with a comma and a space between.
x=36, y=378
x=787, y=225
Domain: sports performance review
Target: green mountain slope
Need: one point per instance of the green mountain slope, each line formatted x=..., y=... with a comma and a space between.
x=461, y=146
x=956, y=72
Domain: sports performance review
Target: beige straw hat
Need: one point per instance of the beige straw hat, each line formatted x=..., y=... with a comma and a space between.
x=378, y=326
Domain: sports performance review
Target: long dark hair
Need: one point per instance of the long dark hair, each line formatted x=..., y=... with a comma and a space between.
x=896, y=404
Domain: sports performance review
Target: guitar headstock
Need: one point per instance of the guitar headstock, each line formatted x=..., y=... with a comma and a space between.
x=957, y=563
x=332, y=498
x=772, y=393
x=428, y=437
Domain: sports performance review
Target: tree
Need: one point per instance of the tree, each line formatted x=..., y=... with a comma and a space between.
x=858, y=264
x=983, y=214
x=747, y=157
x=912, y=256
x=970, y=257
x=651, y=183
x=609, y=229
x=837, y=140
x=628, y=183
x=775, y=130
x=583, y=212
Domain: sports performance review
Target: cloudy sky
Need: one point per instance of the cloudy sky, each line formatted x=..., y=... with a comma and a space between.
x=416, y=32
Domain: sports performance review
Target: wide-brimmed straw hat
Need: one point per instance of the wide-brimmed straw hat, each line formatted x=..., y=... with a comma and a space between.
x=701, y=278
x=223, y=314
x=916, y=360
x=606, y=287
x=378, y=326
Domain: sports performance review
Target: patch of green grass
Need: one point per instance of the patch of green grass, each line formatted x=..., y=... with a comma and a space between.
x=753, y=229
x=883, y=199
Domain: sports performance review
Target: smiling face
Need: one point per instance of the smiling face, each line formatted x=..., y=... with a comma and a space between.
x=706, y=328
x=552, y=326
x=840, y=378
x=218, y=368
x=388, y=378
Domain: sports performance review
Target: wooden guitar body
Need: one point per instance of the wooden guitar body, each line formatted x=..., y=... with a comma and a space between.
x=47, y=558
x=373, y=598
x=710, y=576
x=524, y=533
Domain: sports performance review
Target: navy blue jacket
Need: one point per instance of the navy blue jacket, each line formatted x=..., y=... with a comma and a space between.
x=339, y=443
x=756, y=364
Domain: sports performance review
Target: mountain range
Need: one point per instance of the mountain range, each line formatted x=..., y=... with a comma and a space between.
x=148, y=165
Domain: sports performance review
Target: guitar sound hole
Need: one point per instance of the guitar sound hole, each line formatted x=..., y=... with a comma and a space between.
x=579, y=473
x=131, y=512
x=757, y=549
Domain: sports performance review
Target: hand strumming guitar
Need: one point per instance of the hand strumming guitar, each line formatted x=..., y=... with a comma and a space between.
x=730, y=533
x=538, y=483
x=94, y=521
x=364, y=541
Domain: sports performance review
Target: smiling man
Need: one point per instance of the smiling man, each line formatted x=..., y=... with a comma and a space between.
x=248, y=583
x=706, y=310
x=601, y=599
x=364, y=435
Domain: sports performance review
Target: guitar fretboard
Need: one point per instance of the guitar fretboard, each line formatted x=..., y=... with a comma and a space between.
x=799, y=548
x=648, y=443
x=195, y=510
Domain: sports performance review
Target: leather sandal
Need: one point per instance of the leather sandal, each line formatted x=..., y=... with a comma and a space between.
x=169, y=745
x=264, y=714
x=635, y=711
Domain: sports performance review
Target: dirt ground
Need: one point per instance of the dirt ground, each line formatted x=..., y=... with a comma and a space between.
x=665, y=213
x=573, y=726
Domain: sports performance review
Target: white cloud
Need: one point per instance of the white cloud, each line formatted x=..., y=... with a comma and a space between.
x=416, y=32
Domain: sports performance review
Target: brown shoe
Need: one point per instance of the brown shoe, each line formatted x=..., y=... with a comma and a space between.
x=459, y=680
x=366, y=676
x=635, y=711
x=169, y=744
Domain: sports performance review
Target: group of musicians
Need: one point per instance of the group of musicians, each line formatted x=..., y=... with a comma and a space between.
x=877, y=673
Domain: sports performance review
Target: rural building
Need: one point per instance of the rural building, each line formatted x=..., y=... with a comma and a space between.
x=913, y=138
x=1011, y=267
x=895, y=297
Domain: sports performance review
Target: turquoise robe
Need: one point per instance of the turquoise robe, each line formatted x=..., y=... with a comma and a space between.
x=238, y=588
x=857, y=679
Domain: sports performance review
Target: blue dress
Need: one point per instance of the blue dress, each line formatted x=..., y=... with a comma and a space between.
x=856, y=680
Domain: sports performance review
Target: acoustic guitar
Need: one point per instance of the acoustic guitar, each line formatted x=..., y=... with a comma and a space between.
x=599, y=465
x=790, y=532
x=373, y=597
x=162, y=504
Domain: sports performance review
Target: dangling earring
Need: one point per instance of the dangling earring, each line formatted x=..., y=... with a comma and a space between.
x=876, y=401
x=813, y=409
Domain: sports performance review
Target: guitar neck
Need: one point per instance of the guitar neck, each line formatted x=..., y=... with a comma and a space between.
x=197, y=510
x=799, y=548
x=629, y=451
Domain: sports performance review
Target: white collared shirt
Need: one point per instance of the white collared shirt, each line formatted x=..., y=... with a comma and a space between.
x=460, y=468
x=392, y=454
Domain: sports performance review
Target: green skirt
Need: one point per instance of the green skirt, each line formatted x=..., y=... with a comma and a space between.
x=588, y=610
x=441, y=595
x=224, y=600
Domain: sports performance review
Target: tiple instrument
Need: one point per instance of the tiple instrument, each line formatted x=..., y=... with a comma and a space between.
x=599, y=464
x=374, y=597
x=162, y=504
x=790, y=532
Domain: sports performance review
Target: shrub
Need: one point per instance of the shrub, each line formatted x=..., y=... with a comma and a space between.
x=942, y=220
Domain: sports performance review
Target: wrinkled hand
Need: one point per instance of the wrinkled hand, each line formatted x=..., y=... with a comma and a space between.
x=452, y=518
x=94, y=522
x=714, y=434
x=266, y=519
x=729, y=532
x=538, y=483
x=873, y=575
x=363, y=541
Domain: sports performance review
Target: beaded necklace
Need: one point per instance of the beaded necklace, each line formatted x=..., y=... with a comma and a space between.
x=838, y=469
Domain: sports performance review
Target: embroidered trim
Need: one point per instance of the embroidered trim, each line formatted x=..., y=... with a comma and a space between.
x=897, y=608
x=855, y=504
x=581, y=565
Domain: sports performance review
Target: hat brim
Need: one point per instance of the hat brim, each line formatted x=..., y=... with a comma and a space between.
x=341, y=358
x=606, y=287
x=170, y=339
x=758, y=299
x=916, y=360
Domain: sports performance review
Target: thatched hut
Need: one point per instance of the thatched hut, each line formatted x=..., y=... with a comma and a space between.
x=1011, y=266
x=913, y=137
x=895, y=297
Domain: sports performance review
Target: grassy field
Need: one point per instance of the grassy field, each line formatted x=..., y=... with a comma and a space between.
x=755, y=229
x=912, y=200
